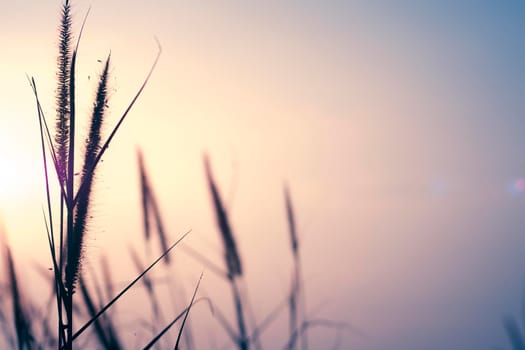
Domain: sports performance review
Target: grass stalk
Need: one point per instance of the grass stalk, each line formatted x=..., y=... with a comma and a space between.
x=231, y=255
x=124, y=291
x=25, y=339
x=514, y=334
x=296, y=295
x=187, y=313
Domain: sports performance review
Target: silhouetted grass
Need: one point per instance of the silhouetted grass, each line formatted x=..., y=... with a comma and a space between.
x=74, y=206
x=231, y=255
x=22, y=325
x=76, y=241
x=514, y=333
x=66, y=232
x=296, y=291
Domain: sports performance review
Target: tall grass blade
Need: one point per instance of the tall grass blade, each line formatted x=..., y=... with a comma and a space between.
x=148, y=284
x=74, y=242
x=243, y=341
x=48, y=137
x=206, y=262
x=187, y=313
x=297, y=292
x=22, y=323
x=231, y=255
x=271, y=317
x=178, y=317
x=131, y=284
x=49, y=228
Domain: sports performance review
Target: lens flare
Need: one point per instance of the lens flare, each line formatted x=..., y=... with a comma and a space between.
x=517, y=186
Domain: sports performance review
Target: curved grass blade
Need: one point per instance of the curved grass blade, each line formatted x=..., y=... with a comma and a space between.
x=49, y=139
x=272, y=315
x=206, y=262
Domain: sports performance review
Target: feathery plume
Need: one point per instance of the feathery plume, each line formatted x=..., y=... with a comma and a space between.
x=233, y=261
x=75, y=241
x=62, y=94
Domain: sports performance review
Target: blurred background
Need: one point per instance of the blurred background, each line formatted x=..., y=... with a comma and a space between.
x=398, y=126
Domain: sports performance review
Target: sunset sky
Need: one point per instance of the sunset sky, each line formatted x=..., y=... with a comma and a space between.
x=398, y=126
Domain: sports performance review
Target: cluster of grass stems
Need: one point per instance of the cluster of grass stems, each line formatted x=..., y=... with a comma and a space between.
x=67, y=217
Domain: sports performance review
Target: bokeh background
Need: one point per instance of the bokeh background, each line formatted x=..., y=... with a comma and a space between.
x=398, y=125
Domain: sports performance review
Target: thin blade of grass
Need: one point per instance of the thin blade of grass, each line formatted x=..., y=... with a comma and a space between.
x=148, y=284
x=178, y=317
x=21, y=321
x=90, y=306
x=50, y=233
x=272, y=315
x=219, y=316
x=187, y=313
x=109, y=304
x=57, y=279
x=206, y=262
x=49, y=139
x=123, y=117
x=243, y=341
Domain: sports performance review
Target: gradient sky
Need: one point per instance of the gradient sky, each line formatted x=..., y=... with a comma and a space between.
x=399, y=126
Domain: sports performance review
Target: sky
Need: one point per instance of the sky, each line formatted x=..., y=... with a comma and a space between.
x=398, y=126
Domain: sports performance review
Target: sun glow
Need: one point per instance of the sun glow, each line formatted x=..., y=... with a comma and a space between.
x=18, y=176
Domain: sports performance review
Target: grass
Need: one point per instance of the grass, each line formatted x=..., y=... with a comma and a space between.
x=66, y=230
